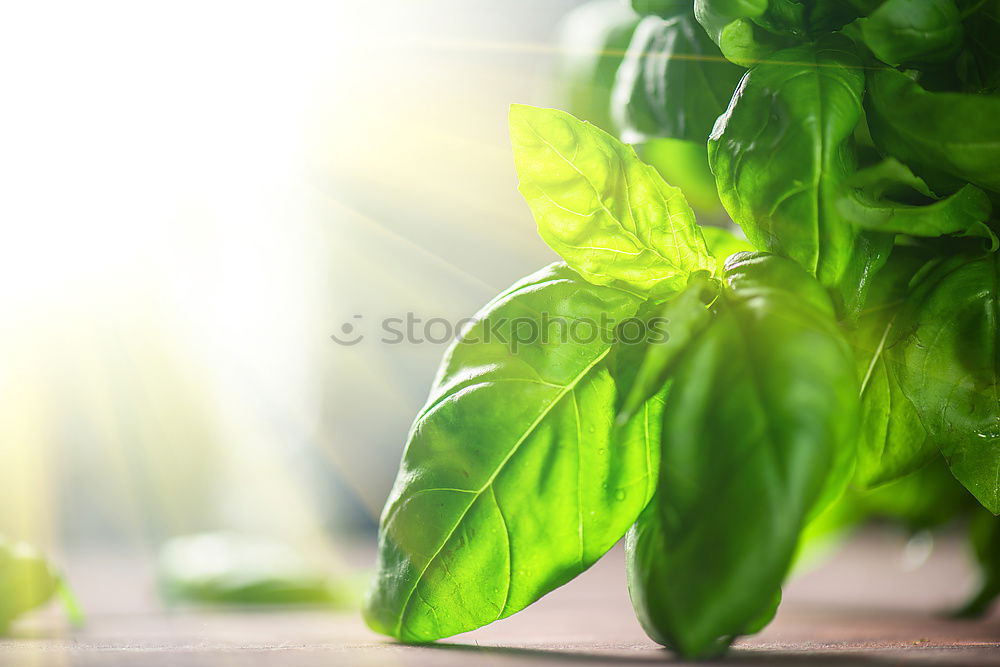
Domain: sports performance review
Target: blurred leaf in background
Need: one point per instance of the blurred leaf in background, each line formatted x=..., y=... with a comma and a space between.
x=613, y=66
x=28, y=581
x=684, y=164
x=984, y=530
x=593, y=39
x=233, y=569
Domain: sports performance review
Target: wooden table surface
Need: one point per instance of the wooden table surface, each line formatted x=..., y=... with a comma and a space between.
x=875, y=602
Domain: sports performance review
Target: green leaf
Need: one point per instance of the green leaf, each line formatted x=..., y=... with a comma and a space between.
x=515, y=478
x=685, y=317
x=673, y=82
x=610, y=216
x=762, y=274
x=645, y=546
x=893, y=441
x=950, y=366
x=234, y=569
x=868, y=199
x=735, y=25
x=956, y=134
x=750, y=31
x=664, y=8
x=761, y=277
x=27, y=581
x=913, y=31
x=758, y=435
x=780, y=154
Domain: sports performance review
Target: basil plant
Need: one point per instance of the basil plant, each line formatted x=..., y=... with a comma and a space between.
x=825, y=352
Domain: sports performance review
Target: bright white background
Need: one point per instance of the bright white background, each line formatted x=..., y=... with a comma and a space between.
x=193, y=196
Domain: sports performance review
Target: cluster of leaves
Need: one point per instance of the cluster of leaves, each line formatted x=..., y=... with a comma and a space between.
x=850, y=341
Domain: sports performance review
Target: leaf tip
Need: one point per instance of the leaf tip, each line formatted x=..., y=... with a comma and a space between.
x=520, y=115
x=521, y=119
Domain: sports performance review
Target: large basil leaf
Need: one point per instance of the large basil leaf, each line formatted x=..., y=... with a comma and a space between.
x=609, y=215
x=892, y=442
x=951, y=366
x=592, y=42
x=515, y=478
x=913, y=31
x=758, y=435
x=672, y=83
x=955, y=133
x=888, y=197
x=755, y=276
x=780, y=154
